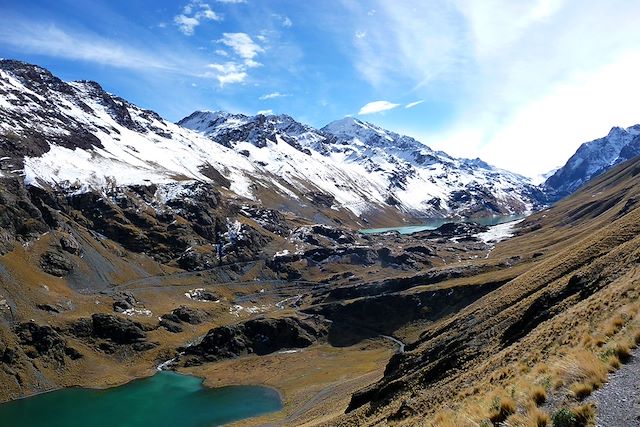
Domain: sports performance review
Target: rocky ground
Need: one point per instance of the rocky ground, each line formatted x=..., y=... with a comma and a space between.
x=618, y=402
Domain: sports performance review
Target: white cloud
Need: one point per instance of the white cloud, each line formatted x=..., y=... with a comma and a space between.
x=192, y=15
x=272, y=95
x=250, y=63
x=413, y=104
x=265, y=112
x=361, y=34
x=227, y=73
x=377, y=107
x=232, y=1
x=186, y=24
x=546, y=131
x=237, y=77
x=242, y=44
x=236, y=70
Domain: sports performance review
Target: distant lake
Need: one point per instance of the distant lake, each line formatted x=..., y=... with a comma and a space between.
x=165, y=399
x=432, y=224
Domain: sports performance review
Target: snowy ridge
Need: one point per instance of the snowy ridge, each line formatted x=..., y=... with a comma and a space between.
x=77, y=137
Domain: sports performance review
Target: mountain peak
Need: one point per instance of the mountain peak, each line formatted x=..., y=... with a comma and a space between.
x=351, y=127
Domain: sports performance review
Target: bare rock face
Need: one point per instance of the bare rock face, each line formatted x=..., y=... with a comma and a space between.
x=43, y=341
x=121, y=331
x=56, y=263
x=112, y=333
x=257, y=336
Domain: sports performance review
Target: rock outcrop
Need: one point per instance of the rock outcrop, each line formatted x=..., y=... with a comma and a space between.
x=257, y=336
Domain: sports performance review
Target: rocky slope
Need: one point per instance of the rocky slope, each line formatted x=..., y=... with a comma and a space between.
x=594, y=158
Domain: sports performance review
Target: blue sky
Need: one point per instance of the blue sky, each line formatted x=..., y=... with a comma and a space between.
x=518, y=83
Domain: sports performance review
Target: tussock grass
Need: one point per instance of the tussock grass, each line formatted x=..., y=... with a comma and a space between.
x=538, y=395
x=583, y=367
x=585, y=414
x=501, y=408
x=581, y=390
x=622, y=351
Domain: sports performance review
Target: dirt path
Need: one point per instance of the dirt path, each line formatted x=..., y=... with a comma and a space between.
x=618, y=401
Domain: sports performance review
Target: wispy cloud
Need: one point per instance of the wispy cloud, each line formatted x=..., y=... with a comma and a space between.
x=48, y=39
x=272, y=95
x=413, y=104
x=192, y=15
x=284, y=20
x=377, y=107
x=232, y=1
x=265, y=112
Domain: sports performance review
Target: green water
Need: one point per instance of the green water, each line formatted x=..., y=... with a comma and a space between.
x=432, y=224
x=166, y=399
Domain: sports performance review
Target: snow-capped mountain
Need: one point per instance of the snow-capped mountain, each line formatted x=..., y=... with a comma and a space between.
x=362, y=165
x=594, y=158
x=75, y=136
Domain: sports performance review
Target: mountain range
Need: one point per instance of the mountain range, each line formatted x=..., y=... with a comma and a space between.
x=75, y=136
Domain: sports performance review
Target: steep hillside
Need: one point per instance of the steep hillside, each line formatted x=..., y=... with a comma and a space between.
x=594, y=158
x=552, y=326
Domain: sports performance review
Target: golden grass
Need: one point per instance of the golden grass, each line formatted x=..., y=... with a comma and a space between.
x=581, y=390
x=570, y=375
x=583, y=367
x=585, y=414
x=538, y=395
x=501, y=408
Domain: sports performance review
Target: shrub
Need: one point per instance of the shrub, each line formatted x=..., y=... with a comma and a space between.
x=564, y=418
x=614, y=363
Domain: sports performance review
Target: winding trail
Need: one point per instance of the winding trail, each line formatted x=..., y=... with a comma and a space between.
x=618, y=401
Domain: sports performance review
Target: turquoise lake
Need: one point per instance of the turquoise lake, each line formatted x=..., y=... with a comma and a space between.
x=432, y=224
x=165, y=399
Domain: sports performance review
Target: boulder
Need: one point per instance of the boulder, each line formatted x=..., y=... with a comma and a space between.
x=185, y=314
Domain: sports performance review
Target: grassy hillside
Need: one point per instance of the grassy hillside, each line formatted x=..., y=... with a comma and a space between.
x=540, y=343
